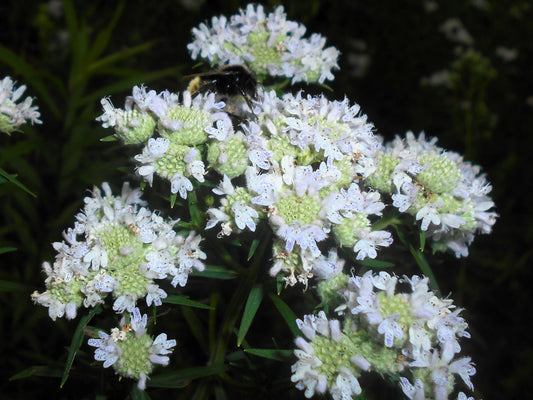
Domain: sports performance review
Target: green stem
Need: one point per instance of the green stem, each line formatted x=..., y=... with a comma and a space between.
x=219, y=337
x=425, y=267
x=420, y=260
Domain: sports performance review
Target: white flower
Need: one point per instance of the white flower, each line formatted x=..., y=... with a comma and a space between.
x=345, y=386
x=154, y=295
x=413, y=392
x=180, y=184
x=429, y=215
x=244, y=215
x=13, y=115
x=390, y=329
x=369, y=241
x=446, y=194
x=455, y=31
x=107, y=350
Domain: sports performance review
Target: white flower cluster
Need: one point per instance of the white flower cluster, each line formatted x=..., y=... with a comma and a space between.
x=130, y=350
x=13, y=115
x=314, y=371
x=449, y=196
x=415, y=333
x=180, y=126
x=124, y=248
x=304, y=157
x=267, y=44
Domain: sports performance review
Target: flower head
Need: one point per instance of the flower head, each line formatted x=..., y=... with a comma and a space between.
x=449, y=196
x=385, y=330
x=172, y=127
x=120, y=247
x=333, y=359
x=130, y=350
x=305, y=156
x=13, y=115
x=269, y=45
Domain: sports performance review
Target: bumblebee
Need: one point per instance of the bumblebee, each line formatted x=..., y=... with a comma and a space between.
x=227, y=82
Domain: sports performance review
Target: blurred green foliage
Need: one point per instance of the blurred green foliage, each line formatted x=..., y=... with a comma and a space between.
x=71, y=53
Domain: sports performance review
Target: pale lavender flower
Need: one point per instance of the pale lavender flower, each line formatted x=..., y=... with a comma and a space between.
x=13, y=114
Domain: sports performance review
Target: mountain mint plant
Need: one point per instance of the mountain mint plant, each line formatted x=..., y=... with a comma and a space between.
x=309, y=174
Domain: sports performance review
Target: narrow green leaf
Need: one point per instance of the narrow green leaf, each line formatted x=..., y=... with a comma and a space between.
x=235, y=356
x=220, y=393
x=182, y=377
x=70, y=17
x=101, y=41
x=7, y=286
x=12, y=178
x=119, y=55
x=215, y=272
x=173, y=197
x=422, y=240
x=273, y=354
x=110, y=138
x=184, y=301
x=79, y=74
x=401, y=236
x=376, y=263
x=327, y=87
x=425, y=267
x=253, y=248
x=37, y=370
x=77, y=340
x=195, y=212
x=288, y=315
x=128, y=79
x=197, y=328
x=7, y=249
x=250, y=309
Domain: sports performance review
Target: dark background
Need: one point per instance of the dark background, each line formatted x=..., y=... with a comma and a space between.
x=484, y=114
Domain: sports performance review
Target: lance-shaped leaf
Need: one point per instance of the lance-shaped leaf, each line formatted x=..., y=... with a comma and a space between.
x=185, y=301
x=273, y=354
x=182, y=377
x=288, y=315
x=252, y=304
x=77, y=340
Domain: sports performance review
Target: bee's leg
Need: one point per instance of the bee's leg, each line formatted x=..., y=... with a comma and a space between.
x=247, y=101
x=235, y=119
